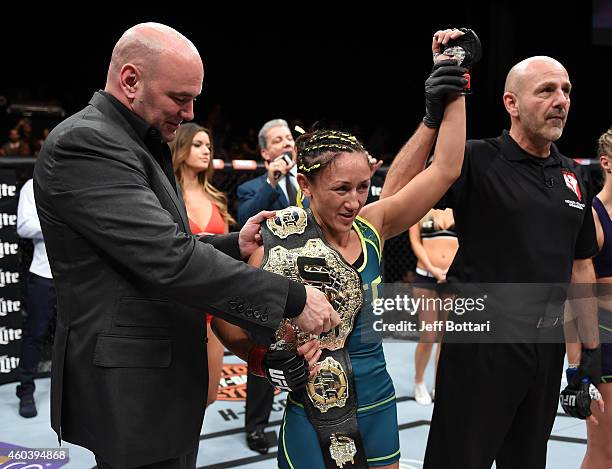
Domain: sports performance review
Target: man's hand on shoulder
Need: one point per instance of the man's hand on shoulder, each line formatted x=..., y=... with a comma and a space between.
x=250, y=234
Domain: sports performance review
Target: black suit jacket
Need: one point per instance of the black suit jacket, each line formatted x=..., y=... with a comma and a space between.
x=129, y=377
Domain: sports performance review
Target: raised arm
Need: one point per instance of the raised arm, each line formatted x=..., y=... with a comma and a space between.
x=410, y=160
x=395, y=214
x=445, y=78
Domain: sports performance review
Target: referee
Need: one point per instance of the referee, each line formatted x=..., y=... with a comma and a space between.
x=523, y=216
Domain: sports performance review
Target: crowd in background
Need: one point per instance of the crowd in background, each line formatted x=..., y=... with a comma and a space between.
x=24, y=136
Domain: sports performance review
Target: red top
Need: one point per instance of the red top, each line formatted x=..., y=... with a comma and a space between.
x=215, y=225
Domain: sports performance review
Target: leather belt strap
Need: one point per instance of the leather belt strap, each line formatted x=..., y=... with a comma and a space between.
x=336, y=428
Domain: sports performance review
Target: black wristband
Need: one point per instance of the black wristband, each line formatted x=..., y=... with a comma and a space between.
x=296, y=300
x=590, y=366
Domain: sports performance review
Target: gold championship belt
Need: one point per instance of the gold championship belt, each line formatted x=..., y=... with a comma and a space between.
x=314, y=264
x=329, y=387
x=317, y=265
x=295, y=248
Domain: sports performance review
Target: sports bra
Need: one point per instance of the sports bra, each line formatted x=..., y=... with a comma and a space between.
x=430, y=229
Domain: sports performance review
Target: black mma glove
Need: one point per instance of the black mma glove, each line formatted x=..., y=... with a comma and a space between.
x=445, y=78
x=576, y=400
x=590, y=366
x=577, y=395
x=466, y=48
x=284, y=369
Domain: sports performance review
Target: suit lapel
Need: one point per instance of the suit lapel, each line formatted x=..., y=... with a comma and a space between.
x=177, y=200
x=283, y=201
x=182, y=210
x=283, y=197
x=101, y=102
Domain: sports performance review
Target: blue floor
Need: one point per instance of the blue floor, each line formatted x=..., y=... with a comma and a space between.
x=223, y=445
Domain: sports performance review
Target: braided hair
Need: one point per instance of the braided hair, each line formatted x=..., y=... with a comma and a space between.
x=316, y=149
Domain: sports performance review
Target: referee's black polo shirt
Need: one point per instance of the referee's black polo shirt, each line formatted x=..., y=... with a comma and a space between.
x=519, y=218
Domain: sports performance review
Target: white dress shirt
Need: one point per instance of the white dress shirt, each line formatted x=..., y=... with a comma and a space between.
x=28, y=226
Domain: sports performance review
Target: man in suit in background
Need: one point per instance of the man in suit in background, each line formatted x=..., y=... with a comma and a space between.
x=129, y=379
x=273, y=190
x=277, y=187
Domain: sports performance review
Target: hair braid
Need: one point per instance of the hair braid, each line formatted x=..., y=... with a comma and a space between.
x=317, y=149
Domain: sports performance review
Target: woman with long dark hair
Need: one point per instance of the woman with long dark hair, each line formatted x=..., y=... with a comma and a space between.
x=192, y=160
